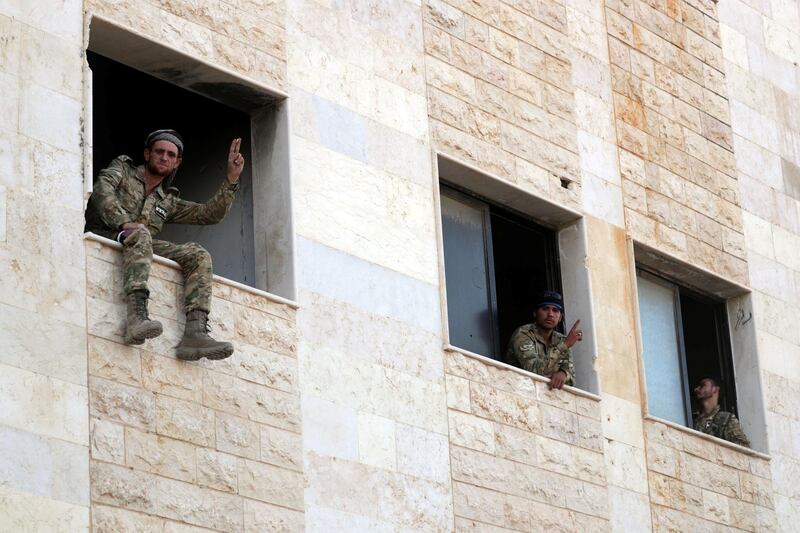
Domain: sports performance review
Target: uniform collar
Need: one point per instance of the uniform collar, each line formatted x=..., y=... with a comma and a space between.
x=159, y=190
x=712, y=414
x=533, y=330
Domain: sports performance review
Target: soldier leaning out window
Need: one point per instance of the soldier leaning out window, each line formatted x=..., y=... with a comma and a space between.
x=130, y=204
x=540, y=349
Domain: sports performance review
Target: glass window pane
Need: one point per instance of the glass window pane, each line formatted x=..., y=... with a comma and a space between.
x=468, y=304
x=662, y=362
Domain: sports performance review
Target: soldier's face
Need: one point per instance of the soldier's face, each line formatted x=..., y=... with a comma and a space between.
x=705, y=389
x=162, y=158
x=547, y=316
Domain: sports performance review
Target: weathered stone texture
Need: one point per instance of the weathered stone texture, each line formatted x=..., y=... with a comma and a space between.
x=673, y=121
x=500, y=89
x=523, y=457
x=250, y=42
x=696, y=483
x=180, y=446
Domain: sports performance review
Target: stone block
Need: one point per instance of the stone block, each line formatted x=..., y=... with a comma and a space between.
x=266, y=368
x=46, y=352
x=708, y=475
x=217, y=470
x=30, y=513
x=114, y=520
x=716, y=507
x=242, y=398
x=262, y=329
x=377, y=441
x=50, y=117
x=450, y=80
x=281, y=448
x=590, y=434
x=184, y=420
x=171, y=377
x=628, y=511
x=587, y=498
x=114, y=361
x=238, y=436
x=129, y=405
x=457, y=393
x=422, y=454
x=503, y=407
x=514, y=444
x=555, y=456
x=123, y=487
x=472, y=432
x=662, y=459
x=559, y=424
x=756, y=490
x=160, y=455
x=271, y=484
x=260, y=517
x=197, y=506
x=106, y=441
x=330, y=429
x=491, y=507
x=626, y=466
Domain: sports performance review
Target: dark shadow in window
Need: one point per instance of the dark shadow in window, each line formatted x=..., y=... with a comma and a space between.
x=128, y=104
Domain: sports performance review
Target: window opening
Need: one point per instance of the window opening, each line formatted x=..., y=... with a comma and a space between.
x=685, y=337
x=127, y=104
x=496, y=260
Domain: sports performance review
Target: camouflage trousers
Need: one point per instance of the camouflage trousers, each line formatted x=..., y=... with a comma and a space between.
x=195, y=261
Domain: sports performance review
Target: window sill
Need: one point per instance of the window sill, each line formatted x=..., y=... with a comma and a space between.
x=536, y=377
x=710, y=438
x=89, y=236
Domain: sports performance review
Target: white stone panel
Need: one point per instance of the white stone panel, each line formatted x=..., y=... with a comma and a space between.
x=44, y=405
x=61, y=18
x=602, y=199
x=734, y=45
x=377, y=441
x=24, y=513
x=50, y=117
x=599, y=158
x=329, y=428
x=783, y=41
x=57, y=350
x=51, y=61
x=423, y=454
x=626, y=466
x=363, y=211
x=630, y=511
x=622, y=420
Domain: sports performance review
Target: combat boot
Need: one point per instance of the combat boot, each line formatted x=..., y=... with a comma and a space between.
x=138, y=326
x=197, y=343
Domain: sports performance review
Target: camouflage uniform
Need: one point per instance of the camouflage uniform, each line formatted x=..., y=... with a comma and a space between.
x=120, y=196
x=528, y=349
x=721, y=424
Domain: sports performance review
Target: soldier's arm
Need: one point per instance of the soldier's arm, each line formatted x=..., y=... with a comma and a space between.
x=211, y=212
x=105, y=198
x=565, y=363
x=733, y=432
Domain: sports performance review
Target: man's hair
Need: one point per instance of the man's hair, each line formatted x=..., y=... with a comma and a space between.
x=165, y=135
x=713, y=379
x=549, y=298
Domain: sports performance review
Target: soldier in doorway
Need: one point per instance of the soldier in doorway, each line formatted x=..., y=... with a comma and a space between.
x=130, y=204
x=540, y=349
x=710, y=419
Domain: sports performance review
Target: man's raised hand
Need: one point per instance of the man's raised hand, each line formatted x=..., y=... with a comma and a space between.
x=574, y=335
x=235, y=161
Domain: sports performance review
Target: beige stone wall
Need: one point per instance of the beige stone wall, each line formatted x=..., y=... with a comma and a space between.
x=500, y=91
x=522, y=457
x=673, y=127
x=209, y=444
x=247, y=37
x=700, y=485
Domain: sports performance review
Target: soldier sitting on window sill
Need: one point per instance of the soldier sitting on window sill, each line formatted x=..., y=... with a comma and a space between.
x=130, y=204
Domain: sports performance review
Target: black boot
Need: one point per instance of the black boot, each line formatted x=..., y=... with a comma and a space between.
x=197, y=343
x=138, y=326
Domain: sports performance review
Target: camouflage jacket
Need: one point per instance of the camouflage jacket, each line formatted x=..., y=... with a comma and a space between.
x=528, y=350
x=721, y=424
x=120, y=196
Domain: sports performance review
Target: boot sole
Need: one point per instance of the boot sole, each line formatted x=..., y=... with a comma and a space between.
x=143, y=336
x=196, y=355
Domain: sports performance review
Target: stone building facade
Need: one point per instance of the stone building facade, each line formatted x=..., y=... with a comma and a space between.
x=663, y=133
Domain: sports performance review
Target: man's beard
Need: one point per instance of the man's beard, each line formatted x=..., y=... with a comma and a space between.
x=152, y=168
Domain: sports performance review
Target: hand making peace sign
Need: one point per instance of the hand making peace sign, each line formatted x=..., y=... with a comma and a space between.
x=235, y=161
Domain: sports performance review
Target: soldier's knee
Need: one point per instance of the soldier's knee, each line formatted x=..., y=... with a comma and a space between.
x=199, y=255
x=139, y=237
